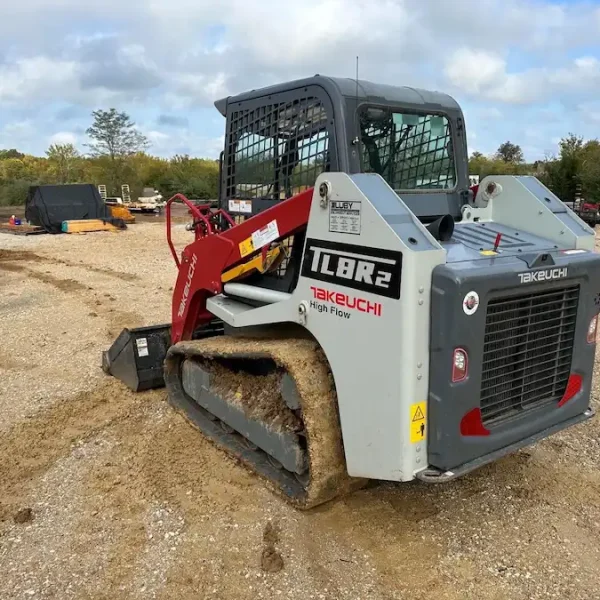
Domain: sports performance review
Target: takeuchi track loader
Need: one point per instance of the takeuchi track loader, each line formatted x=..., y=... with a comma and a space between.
x=355, y=310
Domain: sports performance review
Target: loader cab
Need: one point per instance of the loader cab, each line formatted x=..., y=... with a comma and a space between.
x=279, y=139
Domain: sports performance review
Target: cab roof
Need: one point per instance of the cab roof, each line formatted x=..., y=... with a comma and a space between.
x=366, y=91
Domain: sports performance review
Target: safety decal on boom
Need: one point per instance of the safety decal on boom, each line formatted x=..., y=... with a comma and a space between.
x=418, y=422
x=265, y=235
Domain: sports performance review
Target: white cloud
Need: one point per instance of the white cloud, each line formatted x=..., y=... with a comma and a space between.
x=484, y=75
x=36, y=78
x=19, y=128
x=590, y=112
x=474, y=70
x=398, y=41
x=183, y=139
x=21, y=134
x=490, y=113
x=156, y=56
x=156, y=136
x=63, y=137
x=190, y=89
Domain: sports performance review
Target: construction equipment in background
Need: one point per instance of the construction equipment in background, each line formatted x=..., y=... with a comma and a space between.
x=150, y=195
x=587, y=211
x=126, y=194
x=116, y=206
x=393, y=322
x=121, y=212
x=151, y=204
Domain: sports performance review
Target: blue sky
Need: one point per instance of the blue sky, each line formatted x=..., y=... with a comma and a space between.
x=523, y=70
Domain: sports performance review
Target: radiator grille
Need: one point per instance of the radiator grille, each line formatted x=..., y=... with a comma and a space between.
x=527, y=352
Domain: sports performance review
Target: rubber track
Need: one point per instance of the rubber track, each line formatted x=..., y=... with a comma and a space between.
x=305, y=362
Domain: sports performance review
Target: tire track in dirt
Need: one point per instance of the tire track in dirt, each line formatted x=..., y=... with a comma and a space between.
x=8, y=256
x=31, y=447
x=156, y=459
x=112, y=501
x=100, y=305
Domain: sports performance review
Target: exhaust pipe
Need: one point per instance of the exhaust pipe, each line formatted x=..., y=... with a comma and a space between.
x=442, y=229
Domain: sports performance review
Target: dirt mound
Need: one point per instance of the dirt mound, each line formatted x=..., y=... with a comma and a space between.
x=32, y=446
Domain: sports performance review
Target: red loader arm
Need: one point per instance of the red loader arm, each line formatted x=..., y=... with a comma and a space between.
x=216, y=250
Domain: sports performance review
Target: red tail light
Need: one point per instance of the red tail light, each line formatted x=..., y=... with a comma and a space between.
x=472, y=424
x=592, y=334
x=460, y=365
x=574, y=386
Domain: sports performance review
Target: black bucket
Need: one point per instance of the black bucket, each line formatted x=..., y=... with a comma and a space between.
x=137, y=356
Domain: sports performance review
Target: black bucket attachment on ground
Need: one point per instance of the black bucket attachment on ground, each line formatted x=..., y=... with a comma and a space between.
x=137, y=355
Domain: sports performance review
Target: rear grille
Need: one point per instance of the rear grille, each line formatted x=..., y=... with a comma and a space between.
x=527, y=352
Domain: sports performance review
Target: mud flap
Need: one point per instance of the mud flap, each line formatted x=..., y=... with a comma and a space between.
x=137, y=356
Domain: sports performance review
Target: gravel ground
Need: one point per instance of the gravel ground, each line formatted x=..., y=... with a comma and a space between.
x=106, y=494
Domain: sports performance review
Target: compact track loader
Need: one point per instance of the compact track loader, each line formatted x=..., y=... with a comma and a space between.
x=355, y=310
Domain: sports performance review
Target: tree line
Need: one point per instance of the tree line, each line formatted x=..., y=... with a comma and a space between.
x=116, y=155
x=574, y=170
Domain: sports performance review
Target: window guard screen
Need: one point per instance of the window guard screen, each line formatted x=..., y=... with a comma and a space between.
x=276, y=150
x=410, y=151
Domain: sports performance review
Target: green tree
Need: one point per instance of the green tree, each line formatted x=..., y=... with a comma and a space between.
x=571, y=145
x=14, y=193
x=562, y=173
x=115, y=138
x=510, y=153
x=590, y=171
x=193, y=177
x=63, y=158
x=12, y=153
x=484, y=166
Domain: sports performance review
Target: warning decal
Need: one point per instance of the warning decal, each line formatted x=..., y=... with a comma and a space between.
x=269, y=233
x=246, y=247
x=418, y=416
x=418, y=422
x=142, y=347
x=240, y=206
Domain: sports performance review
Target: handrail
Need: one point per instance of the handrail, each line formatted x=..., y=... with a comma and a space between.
x=200, y=219
x=195, y=213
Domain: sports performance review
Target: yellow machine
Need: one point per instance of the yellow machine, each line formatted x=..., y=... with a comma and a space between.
x=121, y=212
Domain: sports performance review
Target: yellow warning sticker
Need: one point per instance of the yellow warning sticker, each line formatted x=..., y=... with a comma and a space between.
x=488, y=253
x=418, y=422
x=246, y=247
